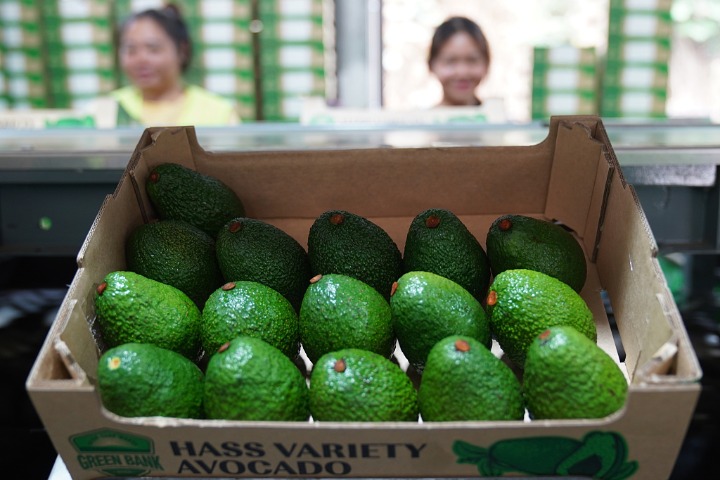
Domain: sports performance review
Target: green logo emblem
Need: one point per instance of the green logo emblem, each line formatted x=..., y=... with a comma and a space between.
x=116, y=453
x=600, y=455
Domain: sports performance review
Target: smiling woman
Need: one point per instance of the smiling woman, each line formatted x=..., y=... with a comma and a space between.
x=155, y=50
x=459, y=58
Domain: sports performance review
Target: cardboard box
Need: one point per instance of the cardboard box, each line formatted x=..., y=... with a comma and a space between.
x=572, y=176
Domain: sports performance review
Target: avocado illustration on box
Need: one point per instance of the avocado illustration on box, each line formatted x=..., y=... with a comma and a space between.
x=600, y=455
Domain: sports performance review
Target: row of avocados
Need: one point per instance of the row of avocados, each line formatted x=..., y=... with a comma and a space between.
x=214, y=308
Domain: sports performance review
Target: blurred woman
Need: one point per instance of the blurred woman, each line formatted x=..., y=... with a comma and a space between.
x=459, y=58
x=155, y=51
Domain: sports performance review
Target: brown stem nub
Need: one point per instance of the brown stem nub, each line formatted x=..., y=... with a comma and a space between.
x=340, y=365
x=235, y=226
x=316, y=278
x=224, y=347
x=228, y=286
x=492, y=298
x=337, y=218
x=545, y=335
x=462, y=346
x=154, y=177
x=393, y=288
x=432, y=221
x=101, y=288
x=505, y=224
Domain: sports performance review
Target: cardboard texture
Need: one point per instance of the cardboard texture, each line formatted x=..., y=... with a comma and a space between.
x=572, y=177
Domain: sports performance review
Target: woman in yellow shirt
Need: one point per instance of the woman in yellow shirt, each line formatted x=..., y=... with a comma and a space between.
x=155, y=50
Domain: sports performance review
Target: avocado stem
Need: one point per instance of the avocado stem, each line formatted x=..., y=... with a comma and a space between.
x=337, y=218
x=492, y=298
x=235, y=226
x=228, y=286
x=316, y=278
x=462, y=346
x=101, y=288
x=224, y=347
x=432, y=221
x=505, y=224
x=154, y=177
x=393, y=288
x=340, y=365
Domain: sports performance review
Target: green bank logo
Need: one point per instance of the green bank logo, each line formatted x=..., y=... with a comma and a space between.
x=599, y=455
x=116, y=453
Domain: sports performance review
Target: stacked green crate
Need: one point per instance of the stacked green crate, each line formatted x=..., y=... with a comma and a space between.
x=80, y=49
x=564, y=81
x=635, y=77
x=22, y=51
x=293, y=48
x=224, y=51
x=4, y=102
x=222, y=46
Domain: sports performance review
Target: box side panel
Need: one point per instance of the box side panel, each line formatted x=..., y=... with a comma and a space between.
x=645, y=312
x=642, y=439
x=386, y=182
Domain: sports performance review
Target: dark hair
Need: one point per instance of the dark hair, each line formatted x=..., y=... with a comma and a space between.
x=171, y=21
x=454, y=25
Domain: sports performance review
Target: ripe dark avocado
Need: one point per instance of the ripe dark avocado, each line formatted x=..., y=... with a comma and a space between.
x=569, y=376
x=176, y=253
x=249, y=379
x=340, y=312
x=439, y=242
x=254, y=250
x=519, y=241
x=523, y=303
x=349, y=244
x=144, y=380
x=354, y=385
x=463, y=380
x=252, y=309
x=133, y=308
x=181, y=193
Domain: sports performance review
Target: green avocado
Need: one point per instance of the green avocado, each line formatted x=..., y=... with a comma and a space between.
x=523, y=303
x=144, y=380
x=463, y=380
x=439, y=242
x=181, y=193
x=347, y=243
x=249, y=379
x=568, y=375
x=355, y=385
x=427, y=307
x=340, y=312
x=251, y=309
x=519, y=241
x=254, y=250
x=176, y=253
x=132, y=308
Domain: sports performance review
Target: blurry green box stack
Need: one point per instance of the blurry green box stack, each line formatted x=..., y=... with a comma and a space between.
x=80, y=50
x=635, y=76
x=21, y=40
x=564, y=81
x=295, y=55
x=4, y=101
x=223, y=51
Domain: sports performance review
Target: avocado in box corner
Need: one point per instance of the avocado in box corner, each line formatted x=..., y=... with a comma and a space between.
x=177, y=253
x=522, y=303
x=144, y=380
x=133, y=308
x=180, y=193
x=519, y=241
